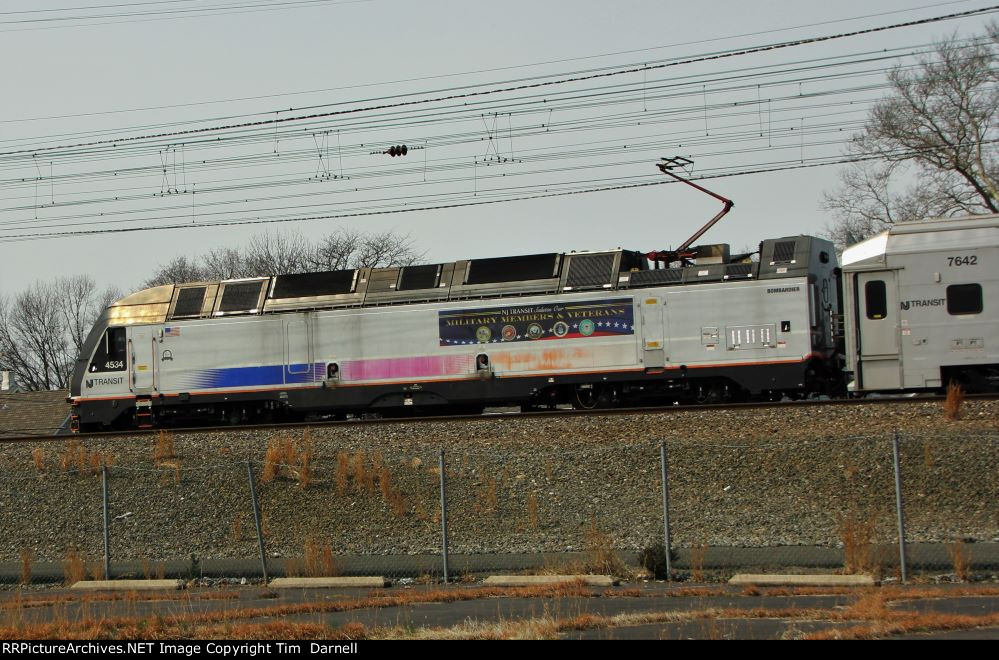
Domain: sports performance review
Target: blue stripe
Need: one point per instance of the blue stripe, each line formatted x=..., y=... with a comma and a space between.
x=256, y=376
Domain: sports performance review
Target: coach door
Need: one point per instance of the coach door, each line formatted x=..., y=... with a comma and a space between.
x=878, y=331
x=653, y=338
x=142, y=359
x=297, y=349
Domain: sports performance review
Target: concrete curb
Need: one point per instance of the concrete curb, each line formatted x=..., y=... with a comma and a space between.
x=328, y=582
x=127, y=585
x=535, y=580
x=771, y=580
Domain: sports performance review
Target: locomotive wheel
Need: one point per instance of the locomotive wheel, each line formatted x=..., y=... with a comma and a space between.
x=591, y=397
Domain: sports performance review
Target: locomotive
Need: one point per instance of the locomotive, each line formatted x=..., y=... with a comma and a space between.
x=909, y=310
x=591, y=329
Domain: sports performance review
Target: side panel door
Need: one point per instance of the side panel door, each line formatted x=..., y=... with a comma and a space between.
x=142, y=359
x=653, y=335
x=298, y=349
x=878, y=330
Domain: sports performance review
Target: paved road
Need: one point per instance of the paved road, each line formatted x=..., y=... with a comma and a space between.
x=644, y=599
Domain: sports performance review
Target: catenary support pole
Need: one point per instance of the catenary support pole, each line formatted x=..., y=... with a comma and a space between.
x=443, y=513
x=107, y=532
x=898, y=507
x=256, y=519
x=666, y=534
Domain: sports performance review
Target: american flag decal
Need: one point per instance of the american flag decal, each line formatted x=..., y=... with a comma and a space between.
x=171, y=332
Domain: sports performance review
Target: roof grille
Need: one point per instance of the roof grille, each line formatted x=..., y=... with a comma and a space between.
x=738, y=271
x=189, y=301
x=512, y=269
x=307, y=285
x=240, y=296
x=660, y=276
x=784, y=251
x=419, y=277
x=589, y=270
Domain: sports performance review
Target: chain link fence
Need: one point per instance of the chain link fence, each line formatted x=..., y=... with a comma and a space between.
x=314, y=508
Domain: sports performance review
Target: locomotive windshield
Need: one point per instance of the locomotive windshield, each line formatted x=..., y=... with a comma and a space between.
x=110, y=354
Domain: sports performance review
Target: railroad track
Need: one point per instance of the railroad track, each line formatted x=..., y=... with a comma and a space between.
x=47, y=435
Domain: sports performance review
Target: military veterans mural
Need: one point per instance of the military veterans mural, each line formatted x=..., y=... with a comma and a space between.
x=512, y=323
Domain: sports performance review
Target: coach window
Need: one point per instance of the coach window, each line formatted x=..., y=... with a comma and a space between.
x=110, y=355
x=876, y=299
x=964, y=299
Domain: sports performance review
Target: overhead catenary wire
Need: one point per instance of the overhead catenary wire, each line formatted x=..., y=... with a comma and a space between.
x=592, y=107
x=788, y=165
x=538, y=84
x=438, y=141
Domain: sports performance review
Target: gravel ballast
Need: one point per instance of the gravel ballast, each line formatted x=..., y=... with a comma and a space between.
x=763, y=477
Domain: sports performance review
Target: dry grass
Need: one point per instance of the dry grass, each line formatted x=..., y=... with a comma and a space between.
x=73, y=567
x=26, y=566
x=697, y=555
x=236, y=533
x=364, y=479
x=68, y=457
x=76, y=457
x=288, y=459
x=38, y=457
x=95, y=570
x=385, y=482
x=342, y=472
x=169, y=472
x=600, y=559
x=391, y=495
x=276, y=457
x=488, y=501
x=164, y=447
x=293, y=567
x=857, y=535
x=319, y=561
x=955, y=397
x=532, y=511
x=960, y=557
x=305, y=461
x=603, y=559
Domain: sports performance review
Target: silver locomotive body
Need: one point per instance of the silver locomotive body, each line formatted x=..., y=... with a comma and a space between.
x=590, y=329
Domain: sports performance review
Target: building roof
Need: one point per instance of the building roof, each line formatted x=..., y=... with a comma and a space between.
x=33, y=413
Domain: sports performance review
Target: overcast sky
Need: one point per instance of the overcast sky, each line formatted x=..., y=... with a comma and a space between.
x=603, y=89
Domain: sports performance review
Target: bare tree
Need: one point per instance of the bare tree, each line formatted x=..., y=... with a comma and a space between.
x=385, y=249
x=281, y=254
x=81, y=304
x=930, y=148
x=334, y=251
x=32, y=341
x=42, y=329
x=178, y=269
x=224, y=263
x=276, y=253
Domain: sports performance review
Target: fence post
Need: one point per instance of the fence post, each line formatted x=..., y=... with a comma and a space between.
x=666, y=534
x=443, y=513
x=107, y=533
x=256, y=519
x=898, y=506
